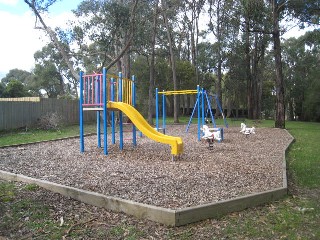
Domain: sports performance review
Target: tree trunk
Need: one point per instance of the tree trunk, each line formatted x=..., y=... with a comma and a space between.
x=280, y=105
x=255, y=79
x=173, y=64
x=219, y=65
x=248, y=71
x=151, y=73
x=259, y=79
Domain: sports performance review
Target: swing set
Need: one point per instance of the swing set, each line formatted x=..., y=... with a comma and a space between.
x=202, y=100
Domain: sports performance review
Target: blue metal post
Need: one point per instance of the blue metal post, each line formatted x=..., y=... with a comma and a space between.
x=134, y=129
x=120, y=113
x=163, y=112
x=105, y=114
x=97, y=100
x=113, y=125
x=157, y=110
x=198, y=98
x=203, y=104
x=194, y=109
x=81, y=113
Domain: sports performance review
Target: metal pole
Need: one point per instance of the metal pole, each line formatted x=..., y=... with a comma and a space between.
x=81, y=113
x=157, y=110
x=202, y=105
x=198, y=98
x=163, y=113
x=98, y=112
x=120, y=113
x=105, y=114
x=113, y=125
x=134, y=130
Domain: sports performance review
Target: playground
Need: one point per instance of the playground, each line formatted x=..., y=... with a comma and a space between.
x=238, y=166
x=175, y=177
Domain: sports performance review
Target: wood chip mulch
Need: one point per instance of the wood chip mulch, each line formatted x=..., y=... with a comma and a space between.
x=238, y=166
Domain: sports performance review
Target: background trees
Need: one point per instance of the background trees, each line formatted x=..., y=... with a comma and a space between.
x=16, y=84
x=232, y=48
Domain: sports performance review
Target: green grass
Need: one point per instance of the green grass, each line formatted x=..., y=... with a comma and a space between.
x=34, y=135
x=304, y=154
x=31, y=215
x=130, y=232
x=295, y=217
x=284, y=219
x=7, y=192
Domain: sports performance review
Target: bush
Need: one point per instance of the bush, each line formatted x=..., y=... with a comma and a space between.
x=50, y=121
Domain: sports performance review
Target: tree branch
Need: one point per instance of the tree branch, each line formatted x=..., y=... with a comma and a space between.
x=125, y=48
x=53, y=37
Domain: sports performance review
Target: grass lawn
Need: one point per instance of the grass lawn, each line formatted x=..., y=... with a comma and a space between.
x=34, y=135
x=295, y=217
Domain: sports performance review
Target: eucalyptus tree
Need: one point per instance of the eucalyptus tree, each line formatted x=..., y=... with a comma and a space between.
x=26, y=79
x=304, y=12
x=295, y=74
x=169, y=30
x=190, y=32
x=255, y=27
x=221, y=13
x=273, y=12
x=49, y=55
x=47, y=77
x=14, y=89
x=301, y=61
x=235, y=85
x=107, y=24
x=2, y=90
x=152, y=58
x=40, y=7
x=110, y=26
x=276, y=8
x=16, y=74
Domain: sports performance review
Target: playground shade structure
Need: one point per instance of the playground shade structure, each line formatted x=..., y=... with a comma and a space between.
x=139, y=121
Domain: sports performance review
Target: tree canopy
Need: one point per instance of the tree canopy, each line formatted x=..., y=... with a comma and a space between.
x=238, y=54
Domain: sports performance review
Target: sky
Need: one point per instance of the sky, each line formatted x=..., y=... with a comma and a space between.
x=19, y=40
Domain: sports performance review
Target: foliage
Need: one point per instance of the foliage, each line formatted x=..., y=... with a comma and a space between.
x=140, y=68
x=15, y=89
x=51, y=68
x=307, y=12
x=2, y=89
x=108, y=27
x=186, y=75
x=17, y=74
x=231, y=55
x=301, y=60
x=16, y=84
x=49, y=79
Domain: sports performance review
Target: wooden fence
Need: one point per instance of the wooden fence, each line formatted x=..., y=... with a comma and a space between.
x=18, y=114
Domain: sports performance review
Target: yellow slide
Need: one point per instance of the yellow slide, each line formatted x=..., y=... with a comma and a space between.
x=139, y=121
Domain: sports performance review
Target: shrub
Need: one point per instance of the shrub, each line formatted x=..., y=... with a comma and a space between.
x=50, y=121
